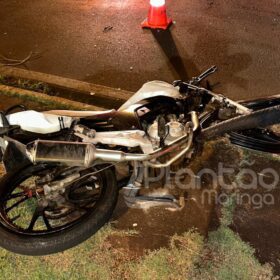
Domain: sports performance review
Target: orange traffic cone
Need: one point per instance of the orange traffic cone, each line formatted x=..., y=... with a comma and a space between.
x=157, y=17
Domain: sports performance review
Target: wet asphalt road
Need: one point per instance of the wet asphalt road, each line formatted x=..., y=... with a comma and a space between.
x=241, y=37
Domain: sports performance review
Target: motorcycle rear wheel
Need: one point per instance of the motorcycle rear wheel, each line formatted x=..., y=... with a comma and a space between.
x=45, y=238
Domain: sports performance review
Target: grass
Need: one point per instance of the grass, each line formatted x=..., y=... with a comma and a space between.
x=87, y=261
x=41, y=95
x=231, y=258
x=26, y=84
x=177, y=262
x=222, y=256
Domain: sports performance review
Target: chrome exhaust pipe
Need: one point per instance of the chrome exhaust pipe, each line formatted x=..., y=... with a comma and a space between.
x=85, y=154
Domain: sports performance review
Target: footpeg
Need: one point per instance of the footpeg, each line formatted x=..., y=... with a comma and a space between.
x=133, y=200
x=167, y=201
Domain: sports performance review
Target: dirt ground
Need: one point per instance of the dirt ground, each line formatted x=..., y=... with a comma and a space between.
x=241, y=37
x=156, y=224
x=260, y=225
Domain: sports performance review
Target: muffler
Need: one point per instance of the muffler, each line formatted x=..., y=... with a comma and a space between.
x=76, y=153
x=68, y=153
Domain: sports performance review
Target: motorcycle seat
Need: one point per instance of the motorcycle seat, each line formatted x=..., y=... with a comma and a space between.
x=82, y=114
x=36, y=122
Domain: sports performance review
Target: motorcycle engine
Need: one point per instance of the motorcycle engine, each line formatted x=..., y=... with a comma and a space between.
x=173, y=130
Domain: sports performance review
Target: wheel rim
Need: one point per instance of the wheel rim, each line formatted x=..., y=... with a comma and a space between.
x=23, y=210
x=264, y=140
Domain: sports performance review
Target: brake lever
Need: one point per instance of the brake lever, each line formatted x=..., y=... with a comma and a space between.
x=204, y=75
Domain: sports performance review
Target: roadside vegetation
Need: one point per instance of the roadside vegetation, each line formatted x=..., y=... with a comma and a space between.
x=27, y=84
x=223, y=255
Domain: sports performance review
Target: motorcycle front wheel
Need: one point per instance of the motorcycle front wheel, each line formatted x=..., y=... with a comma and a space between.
x=259, y=138
x=31, y=226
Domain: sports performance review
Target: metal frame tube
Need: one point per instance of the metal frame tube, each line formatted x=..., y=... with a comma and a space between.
x=175, y=158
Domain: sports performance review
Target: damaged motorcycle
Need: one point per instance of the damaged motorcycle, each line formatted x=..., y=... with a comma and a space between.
x=61, y=183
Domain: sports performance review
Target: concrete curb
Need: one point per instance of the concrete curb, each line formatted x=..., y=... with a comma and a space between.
x=52, y=102
x=66, y=83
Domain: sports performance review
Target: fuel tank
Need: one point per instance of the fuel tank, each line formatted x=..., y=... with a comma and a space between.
x=153, y=99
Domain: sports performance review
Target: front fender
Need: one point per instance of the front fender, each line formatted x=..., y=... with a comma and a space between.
x=262, y=102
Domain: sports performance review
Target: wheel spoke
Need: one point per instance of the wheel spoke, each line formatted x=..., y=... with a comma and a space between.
x=34, y=219
x=13, y=195
x=46, y=221
x=16, y=204
x=14, y=218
